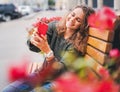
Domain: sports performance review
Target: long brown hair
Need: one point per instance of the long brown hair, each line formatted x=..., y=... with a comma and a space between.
x=79, y=38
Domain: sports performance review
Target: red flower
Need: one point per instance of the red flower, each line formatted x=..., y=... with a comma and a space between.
x=108, y=12
x=104, y=73
x=18, y=71
x=69, y=82
x=41, y=28
x=44, y=20
x=102, y=19
x=42, y=24
x=107, y=86
x=54, y=19
x=114, y=53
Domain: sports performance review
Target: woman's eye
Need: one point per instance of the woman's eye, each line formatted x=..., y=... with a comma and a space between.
x=78, y=19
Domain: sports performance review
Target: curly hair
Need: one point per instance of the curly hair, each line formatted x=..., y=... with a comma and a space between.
x=79, y=38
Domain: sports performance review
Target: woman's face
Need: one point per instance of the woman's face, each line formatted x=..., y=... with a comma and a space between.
x=74, y=19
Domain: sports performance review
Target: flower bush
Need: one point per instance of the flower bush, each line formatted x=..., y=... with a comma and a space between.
x=113, y=65
x=103, y=19
x=19, y=70
x=79, y=79
x=70, y=82
x=41, y=26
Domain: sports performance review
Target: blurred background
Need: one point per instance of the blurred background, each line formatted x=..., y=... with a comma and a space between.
x=12, y=9
x=16, y=16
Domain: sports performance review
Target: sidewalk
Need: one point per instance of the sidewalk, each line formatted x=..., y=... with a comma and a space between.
x=46, y=14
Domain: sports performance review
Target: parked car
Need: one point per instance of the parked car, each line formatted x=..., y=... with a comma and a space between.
x=9, y=12
x=1, y=18
x=36, y=8
x=25, y=9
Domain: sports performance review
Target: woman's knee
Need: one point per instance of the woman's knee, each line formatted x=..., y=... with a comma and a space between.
x=18, y=86
x=10, y=88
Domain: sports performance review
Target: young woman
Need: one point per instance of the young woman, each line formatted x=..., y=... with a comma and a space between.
x=69, y=35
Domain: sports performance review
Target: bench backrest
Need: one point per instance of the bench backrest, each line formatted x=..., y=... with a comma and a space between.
x=98, y=46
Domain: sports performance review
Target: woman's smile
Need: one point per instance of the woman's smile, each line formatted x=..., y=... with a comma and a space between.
x=69, y=23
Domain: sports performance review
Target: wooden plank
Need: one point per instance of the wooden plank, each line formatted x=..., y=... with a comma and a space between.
x=96, y=54
x=104, y=35
x=100, y=44
x=94, y=65
x=91, y=73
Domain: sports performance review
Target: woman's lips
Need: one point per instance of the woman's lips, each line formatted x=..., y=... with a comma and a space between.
x=69, y=24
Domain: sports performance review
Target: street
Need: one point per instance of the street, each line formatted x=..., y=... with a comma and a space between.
x=13, y=37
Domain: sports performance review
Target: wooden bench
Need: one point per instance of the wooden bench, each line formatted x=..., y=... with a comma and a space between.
x=98, y=46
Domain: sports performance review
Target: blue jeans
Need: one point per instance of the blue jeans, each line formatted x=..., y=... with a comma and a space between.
x=18, y=86
x=29, y=83
x=23, y=86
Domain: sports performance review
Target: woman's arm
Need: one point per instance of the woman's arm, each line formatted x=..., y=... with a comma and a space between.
x=52, y=68
x=51, y=28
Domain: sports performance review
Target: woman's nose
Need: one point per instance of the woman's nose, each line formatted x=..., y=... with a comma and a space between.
x=72, y=19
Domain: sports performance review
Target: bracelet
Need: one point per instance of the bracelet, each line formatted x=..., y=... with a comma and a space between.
x=49, y=54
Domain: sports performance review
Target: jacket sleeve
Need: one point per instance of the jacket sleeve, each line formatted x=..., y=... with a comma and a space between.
x=50, y=70
x=32, y=47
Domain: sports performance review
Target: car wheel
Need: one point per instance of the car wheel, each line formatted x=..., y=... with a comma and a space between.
x=7, y=18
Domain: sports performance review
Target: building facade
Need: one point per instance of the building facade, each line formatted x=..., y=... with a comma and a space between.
x=92, y=3
x=68, y=4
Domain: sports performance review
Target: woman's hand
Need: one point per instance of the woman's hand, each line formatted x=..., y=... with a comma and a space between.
x=40, y=42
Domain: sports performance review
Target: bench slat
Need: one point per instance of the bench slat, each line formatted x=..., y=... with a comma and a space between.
x=96, y=54
x=95, y=65
x=105, y=35
x=100, y=44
